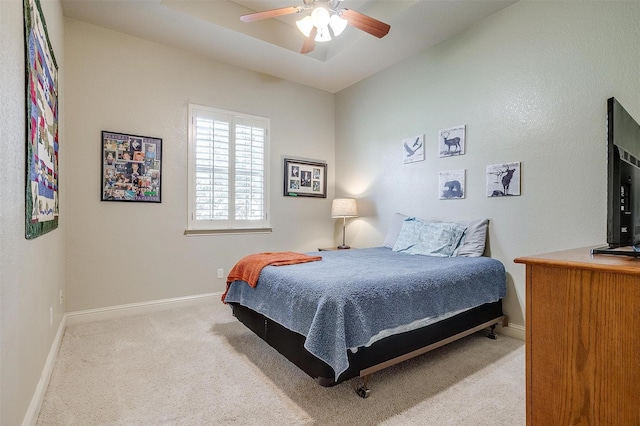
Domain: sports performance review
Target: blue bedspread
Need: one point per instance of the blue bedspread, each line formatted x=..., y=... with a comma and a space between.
x=349, y=296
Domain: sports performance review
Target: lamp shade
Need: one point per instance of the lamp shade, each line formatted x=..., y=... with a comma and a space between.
x=344, y=207
x=320, y=17
x=305, y=25
x=337, y=24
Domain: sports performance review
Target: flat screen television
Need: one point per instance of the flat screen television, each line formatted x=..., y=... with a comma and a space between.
x=623, y=181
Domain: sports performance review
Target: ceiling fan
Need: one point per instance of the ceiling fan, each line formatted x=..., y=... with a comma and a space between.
x=326, y=15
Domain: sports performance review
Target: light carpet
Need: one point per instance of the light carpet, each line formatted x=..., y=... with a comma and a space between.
x=201, y=366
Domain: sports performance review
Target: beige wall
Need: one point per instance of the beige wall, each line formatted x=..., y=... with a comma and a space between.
x=531, y=84
x=31, y=272
x=122, y=252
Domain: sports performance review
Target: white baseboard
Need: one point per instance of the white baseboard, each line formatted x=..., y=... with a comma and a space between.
x=119, y=311
x=31, y=417
x=513, y=330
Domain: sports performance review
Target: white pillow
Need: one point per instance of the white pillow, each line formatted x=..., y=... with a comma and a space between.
x=474, y=239
x=472, y=244
x=429, y=238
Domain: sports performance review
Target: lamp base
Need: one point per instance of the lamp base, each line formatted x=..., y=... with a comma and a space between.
x=343, y=247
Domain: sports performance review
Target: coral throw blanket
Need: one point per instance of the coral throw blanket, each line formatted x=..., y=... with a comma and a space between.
x=249, y=267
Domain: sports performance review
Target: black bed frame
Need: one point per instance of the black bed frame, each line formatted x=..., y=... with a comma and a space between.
x=381, y=354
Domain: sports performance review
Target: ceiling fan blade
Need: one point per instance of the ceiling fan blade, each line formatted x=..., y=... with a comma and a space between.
x=365, y=23
x=309, y=42
x=273, y=13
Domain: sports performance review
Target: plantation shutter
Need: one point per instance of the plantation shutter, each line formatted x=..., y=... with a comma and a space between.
x=228, y=158
x=249, y=171
x=212, y=169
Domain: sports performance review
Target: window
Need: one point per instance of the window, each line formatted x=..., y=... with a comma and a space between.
x=228, y=176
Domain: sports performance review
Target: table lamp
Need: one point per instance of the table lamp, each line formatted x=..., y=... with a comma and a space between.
x=344, y=208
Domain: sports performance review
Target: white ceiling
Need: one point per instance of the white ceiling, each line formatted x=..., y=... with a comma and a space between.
x=213, y=28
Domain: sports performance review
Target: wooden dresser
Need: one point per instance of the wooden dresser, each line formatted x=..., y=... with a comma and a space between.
x=582, y=339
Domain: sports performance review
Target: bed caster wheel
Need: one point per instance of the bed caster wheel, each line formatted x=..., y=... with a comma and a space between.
x=363, y=392
x=492, y=334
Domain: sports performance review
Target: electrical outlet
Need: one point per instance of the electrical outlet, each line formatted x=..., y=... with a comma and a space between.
x=220, y=272
x=51, y=315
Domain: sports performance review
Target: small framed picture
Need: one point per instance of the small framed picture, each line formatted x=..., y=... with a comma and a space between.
x=503, y=179
x=451, y=141
x=131, y=168
x=304, y=178
x=452, y=184
x=413, y=149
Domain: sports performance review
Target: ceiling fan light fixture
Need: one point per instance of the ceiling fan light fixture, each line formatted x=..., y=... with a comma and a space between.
x=338, y=24
x=305, y=25
x=323, y=34
x=325, y=21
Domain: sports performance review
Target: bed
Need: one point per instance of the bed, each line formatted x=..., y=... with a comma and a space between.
x=357, y=311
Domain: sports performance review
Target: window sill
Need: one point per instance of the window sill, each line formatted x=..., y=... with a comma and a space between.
x=238, y=231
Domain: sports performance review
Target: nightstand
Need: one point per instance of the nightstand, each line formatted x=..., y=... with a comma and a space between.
x=331, y=248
